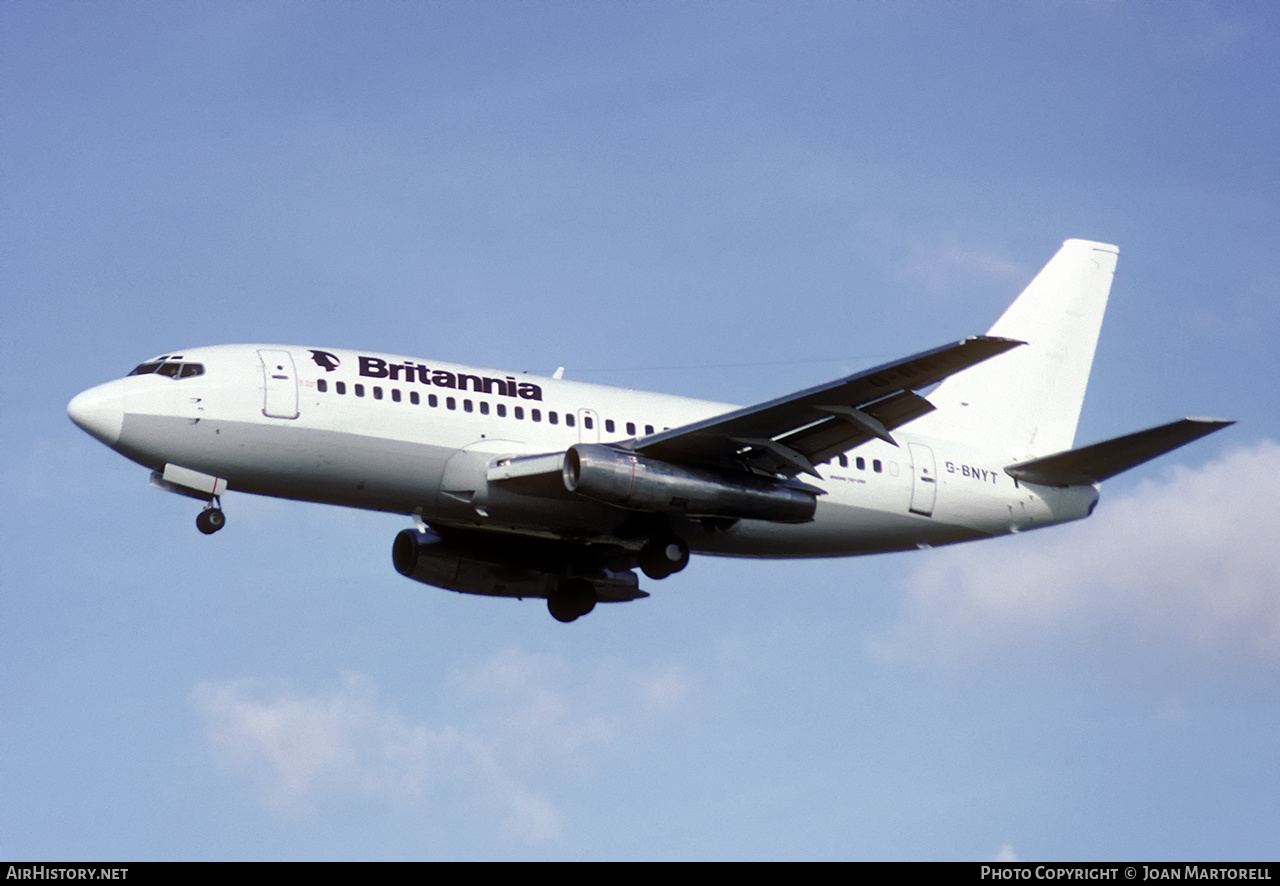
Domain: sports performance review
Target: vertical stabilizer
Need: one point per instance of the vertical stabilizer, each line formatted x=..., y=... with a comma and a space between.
x=1026, y=403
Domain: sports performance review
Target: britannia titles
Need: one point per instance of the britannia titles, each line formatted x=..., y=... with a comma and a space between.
x=376, y=367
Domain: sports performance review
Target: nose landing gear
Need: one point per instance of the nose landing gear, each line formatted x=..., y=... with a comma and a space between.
x=211, y=519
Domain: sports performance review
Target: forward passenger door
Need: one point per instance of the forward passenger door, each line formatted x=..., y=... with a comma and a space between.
x=280, y=384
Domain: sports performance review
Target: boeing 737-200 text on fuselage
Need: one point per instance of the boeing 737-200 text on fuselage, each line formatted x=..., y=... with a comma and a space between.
x=524, y=486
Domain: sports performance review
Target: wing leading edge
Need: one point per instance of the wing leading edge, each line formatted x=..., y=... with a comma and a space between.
x=791, y=434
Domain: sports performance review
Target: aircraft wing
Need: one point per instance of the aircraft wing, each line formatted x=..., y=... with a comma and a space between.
x=791, y=434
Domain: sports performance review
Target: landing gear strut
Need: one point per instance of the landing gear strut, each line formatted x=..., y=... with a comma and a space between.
x=572, y=598
x=664, y=556
x=211, y=519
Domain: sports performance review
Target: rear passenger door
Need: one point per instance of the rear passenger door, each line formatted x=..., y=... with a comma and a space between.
x=924, y=480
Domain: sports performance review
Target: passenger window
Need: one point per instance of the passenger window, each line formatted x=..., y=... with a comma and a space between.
x=484, y=407
x=876, y=466
x=433, y=401
x=568, y=419
x=648, y=429
x=413, y=398
x=502, y=410
x=518, y=411
x=450, y=403
x=340, y=387
x=553, y=418
x=322, y=385
x=608, y=425
x=395, y=394
x=861, y=463
x=631, y=428
x=466, y=405
x=844, y=461
x=535, y=414
x=377, y=392
x=359, y=390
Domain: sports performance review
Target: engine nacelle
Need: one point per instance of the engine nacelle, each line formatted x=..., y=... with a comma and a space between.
x=636, y=482
x=523, y=568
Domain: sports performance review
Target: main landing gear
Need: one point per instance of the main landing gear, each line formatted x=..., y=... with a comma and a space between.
x=211, y=519
x=663, y=556
x=572, y=598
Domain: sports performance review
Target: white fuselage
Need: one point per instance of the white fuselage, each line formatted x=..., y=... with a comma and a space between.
x=417, y=437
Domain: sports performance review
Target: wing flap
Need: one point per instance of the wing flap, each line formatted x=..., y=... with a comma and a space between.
x=1100, y=461
x=844, y=430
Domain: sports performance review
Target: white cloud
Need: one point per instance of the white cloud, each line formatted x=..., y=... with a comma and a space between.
x=343, y=739
x=1006, y=854
x=1188, y=563
x=524, y=717
x=663, y=689
x=950, y=267
x=1206, y=37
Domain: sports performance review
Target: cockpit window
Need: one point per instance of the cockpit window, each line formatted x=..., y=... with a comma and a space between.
x=170, y=369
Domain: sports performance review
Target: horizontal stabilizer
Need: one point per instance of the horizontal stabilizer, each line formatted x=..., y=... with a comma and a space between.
x=1093, y=464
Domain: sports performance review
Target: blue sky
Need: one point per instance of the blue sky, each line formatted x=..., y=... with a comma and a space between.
x=713, y=199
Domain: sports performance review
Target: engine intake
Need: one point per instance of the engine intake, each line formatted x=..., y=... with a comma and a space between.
x=638, y=483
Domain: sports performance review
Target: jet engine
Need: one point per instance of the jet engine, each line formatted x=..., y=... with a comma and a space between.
x=495, y=566
x=639, y=483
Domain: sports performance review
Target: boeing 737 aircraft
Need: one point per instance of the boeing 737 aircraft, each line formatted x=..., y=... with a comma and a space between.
x=524, y=486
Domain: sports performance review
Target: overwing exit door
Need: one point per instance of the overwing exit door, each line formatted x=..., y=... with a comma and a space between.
x=588, y=426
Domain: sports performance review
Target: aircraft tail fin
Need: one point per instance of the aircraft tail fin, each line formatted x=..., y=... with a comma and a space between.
x=1100, y=461
x=1027, y=402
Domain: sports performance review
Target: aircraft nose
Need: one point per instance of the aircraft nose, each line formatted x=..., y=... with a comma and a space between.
x=99, y=412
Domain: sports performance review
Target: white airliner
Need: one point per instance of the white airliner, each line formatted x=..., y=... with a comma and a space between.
x=525, y=486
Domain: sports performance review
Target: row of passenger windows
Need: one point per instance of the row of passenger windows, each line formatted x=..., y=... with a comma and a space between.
x=482, y=406
x=518, y=412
